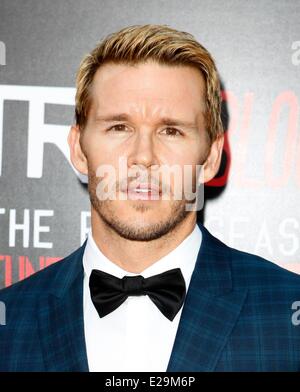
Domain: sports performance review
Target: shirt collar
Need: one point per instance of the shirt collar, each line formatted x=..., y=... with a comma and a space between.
x=184, y=256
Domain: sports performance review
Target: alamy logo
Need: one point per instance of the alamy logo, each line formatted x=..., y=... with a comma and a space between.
x=296, y=314
x=2, y=313
x=2, y=53
x=296, y=53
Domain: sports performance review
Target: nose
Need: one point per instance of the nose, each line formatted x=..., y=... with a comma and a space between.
x=142, y=152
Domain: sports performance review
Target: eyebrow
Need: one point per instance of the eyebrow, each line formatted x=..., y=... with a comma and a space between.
x=162, y=121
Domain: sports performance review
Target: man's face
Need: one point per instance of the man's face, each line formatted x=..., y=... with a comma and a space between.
x=145, y=95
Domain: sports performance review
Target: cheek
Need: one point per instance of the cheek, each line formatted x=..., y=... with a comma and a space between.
x=189, y=156
x=100, y=154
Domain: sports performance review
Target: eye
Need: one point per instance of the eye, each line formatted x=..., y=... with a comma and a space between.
x=117, y=128
x=172, y=132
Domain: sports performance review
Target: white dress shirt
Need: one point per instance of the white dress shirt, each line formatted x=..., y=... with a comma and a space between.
x=136, y=336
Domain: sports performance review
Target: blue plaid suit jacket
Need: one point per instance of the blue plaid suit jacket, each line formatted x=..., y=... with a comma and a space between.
x=237, y=316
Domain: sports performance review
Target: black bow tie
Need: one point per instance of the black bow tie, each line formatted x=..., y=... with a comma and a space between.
x=166, y=290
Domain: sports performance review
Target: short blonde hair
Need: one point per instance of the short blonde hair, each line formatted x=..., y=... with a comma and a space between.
x=161, y=43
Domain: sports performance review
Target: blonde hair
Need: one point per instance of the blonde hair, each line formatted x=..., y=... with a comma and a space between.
x=161, y=43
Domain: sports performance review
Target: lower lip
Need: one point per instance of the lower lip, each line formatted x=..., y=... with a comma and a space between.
x=143, y=196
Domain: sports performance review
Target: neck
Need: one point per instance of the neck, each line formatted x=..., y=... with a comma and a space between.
x=136, y=256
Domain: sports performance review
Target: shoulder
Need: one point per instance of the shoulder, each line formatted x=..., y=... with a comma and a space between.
x=250, y=270
x=23, y=300
x=42, y=281
x=258, y=273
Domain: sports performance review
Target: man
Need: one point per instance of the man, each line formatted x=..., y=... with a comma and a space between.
x=150, y=289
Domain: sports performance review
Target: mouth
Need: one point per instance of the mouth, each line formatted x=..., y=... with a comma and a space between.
x=148, y=192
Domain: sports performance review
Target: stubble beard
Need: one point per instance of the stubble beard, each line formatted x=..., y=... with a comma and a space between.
x=146, y=231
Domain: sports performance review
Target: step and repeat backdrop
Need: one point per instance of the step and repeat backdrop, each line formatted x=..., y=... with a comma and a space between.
x=252, y=204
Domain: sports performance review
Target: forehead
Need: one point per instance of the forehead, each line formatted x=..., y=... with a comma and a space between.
x=151, y=85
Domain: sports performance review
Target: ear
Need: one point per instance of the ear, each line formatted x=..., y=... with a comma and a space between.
x=213, y=161
x=77, y=156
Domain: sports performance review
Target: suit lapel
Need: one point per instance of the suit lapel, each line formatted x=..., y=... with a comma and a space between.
x=60, y=318
x=210, y=311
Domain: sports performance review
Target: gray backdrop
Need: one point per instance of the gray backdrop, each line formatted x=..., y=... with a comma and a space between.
x=44, y=206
